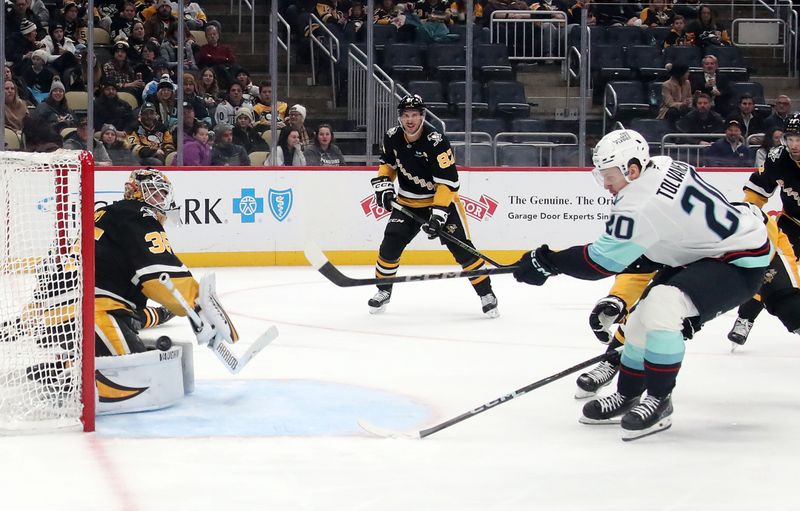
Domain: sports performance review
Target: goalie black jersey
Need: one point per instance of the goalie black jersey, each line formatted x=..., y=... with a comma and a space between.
x=131, y=252
x=779, y=170
x=420, y=166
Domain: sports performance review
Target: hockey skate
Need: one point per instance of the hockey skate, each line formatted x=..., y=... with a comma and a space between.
x=739, y=332
x=590, y=382
x=489, y=304
x=378, y=303
x=607, y=410
x=650, y=416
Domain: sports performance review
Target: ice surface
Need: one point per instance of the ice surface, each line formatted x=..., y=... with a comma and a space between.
x=282, y=435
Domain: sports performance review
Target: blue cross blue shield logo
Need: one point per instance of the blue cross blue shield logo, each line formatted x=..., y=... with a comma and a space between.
x=248, y=205
x=280, y=203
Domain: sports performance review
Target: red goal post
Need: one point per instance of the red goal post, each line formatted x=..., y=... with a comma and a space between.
x=46, y=291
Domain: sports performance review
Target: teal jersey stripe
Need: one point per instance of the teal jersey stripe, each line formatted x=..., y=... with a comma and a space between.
x=753, y=262
x=614, y=255
x=664, y=347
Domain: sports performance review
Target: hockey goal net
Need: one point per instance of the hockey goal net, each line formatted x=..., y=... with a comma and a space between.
x=46, y=291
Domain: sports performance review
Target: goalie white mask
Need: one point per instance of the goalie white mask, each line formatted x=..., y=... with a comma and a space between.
x=617, y=149
x=153, y=188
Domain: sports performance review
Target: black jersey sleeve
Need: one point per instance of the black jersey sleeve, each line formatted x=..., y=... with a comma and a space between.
x=387, y=156
x=764, y=181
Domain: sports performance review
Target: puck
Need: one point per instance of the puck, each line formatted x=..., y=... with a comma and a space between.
x=163, y=343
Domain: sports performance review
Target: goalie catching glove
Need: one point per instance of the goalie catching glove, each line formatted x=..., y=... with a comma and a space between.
x=433, y=228
x=606, y=312
x=384, y=191
x=215, y=324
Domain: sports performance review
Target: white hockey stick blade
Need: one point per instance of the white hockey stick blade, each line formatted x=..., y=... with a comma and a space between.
x=378, y=431
x=314, y=255
x=262, y=342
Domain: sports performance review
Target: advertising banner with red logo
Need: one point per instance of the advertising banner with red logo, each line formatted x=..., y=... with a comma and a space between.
x=264, y=216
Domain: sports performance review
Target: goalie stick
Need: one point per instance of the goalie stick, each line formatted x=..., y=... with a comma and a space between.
x=330, y=272
x=218, y=346
x=387, y=433
x=445, y=235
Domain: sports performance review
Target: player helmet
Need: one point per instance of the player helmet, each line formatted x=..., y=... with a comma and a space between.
x=411, y=102
x=617, y=149
x=792, y=125
x=152, y=187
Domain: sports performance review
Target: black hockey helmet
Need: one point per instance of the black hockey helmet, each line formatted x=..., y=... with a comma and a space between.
x=411, y=102
x=792, y=125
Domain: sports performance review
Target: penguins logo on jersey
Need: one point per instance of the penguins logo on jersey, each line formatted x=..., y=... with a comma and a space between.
x=435, y=137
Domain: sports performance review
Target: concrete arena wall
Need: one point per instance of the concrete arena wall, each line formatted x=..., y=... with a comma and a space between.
x=260, y=216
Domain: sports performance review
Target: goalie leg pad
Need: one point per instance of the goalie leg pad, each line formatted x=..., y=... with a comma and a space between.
x=142, y=381
x=211, y=311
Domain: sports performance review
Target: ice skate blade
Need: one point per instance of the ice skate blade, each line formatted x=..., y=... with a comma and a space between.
x=583, y=394
x=492, y=314
x=377, y=310
x=378, y=431
x=599, y=422
x=663, y=424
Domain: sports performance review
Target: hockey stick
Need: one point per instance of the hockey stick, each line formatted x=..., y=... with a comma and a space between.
x=218, y=346
x=330, y=272
x=449, y=237
x=386, y=433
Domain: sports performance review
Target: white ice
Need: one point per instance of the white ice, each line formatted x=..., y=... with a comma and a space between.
x=733, y=445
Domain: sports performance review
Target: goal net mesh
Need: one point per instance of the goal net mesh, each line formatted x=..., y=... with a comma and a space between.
x=41, y=291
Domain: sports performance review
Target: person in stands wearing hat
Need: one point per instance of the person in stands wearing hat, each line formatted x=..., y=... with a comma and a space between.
x=120, y=71
x=54, y=109
x=227, y=111
x=297, y=119
x=245, y=133
x=78, y=140
x=225, y=153
x=109, y=109
x=158, y=25
x=730, y=150
x=191, y=96
x=21, y=44
x=115, y=144
x=60, y=49
x=37, y=76
x=70, y=20
x=160, y=70
x=249, y=90
x=189, y=122
x=166, y=104
x=196, y=149
x=151, y=141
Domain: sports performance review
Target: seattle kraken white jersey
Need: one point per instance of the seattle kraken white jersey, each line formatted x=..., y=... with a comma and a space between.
x=673, y=217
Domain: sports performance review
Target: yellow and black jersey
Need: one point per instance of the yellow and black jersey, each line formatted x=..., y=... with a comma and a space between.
x=779, y=170
x=425, y=169
x=425, y=9
x=131, y=252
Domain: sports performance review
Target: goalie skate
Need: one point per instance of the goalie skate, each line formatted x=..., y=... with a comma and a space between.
x=589, y=383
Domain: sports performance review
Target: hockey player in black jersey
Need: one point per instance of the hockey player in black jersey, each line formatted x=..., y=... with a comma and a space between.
x=781, y=170
x=131, y=252
x=422, y=161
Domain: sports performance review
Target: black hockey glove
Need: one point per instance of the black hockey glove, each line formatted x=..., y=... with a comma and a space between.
x=535, y=267
x=435, y=223
x=606, y=312
x=384, y=191
x=691, y=326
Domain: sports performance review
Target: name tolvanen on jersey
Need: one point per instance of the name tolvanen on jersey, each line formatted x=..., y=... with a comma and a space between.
x=672, y=181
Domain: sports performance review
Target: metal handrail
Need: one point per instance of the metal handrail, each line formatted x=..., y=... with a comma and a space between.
x=332, y=51
x=286, y=45
x=528, y=22
x=606, y=112
x=537, y=135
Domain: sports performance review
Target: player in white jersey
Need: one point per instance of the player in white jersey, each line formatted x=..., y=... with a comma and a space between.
x=713, y=253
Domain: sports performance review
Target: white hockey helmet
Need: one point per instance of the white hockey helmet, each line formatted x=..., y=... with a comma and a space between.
x=617, y=149
x=152, y=187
